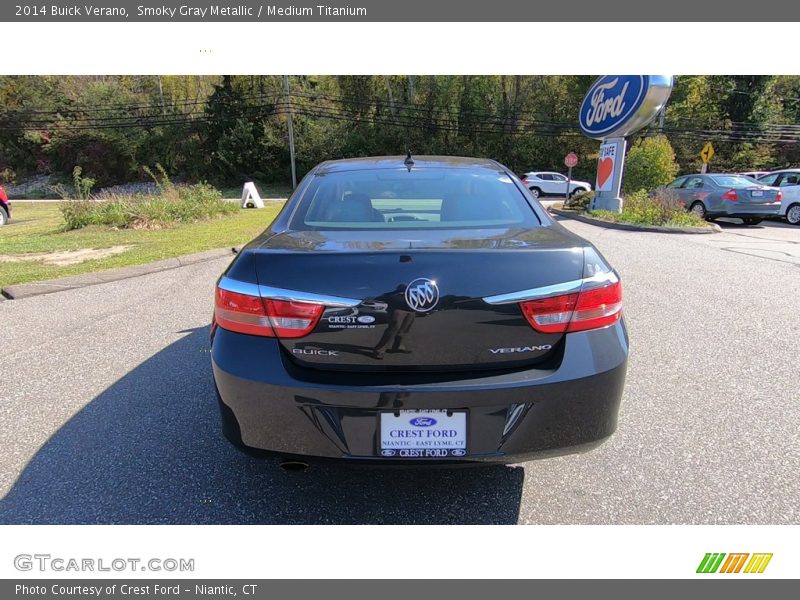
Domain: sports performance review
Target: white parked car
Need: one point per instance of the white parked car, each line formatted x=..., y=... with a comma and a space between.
x=754, y=174
x=789, y=183
x=548, y=183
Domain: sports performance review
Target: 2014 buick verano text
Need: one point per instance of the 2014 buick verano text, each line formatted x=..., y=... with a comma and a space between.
x=419, y=309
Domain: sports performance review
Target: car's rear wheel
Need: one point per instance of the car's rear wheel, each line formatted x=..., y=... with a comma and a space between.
x=536, y=192
x=3, y=216
x=699, y=209
x=577, y=191
x=752, y=220
x=793, y=214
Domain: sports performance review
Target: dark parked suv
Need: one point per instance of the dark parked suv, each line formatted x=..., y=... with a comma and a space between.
x=418, y=309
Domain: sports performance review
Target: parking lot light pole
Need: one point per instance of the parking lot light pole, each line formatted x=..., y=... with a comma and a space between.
x=291, y=130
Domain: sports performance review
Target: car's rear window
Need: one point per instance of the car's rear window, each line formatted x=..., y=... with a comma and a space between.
x=734, y=181
x=422, y=198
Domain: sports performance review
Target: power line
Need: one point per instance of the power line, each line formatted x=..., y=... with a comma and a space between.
x=405, y=115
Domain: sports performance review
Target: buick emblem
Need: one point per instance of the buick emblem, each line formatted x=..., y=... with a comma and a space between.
x=422, y=294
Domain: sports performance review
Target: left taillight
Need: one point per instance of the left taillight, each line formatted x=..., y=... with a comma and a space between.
x=550, y=315
x=594, y=306
x=241, y=313
x=253, y=315
x=730, y=195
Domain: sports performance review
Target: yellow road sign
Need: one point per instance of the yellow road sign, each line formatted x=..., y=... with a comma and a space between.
x=707, y=153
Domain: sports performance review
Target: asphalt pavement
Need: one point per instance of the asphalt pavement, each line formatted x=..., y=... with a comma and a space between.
x=107, y=411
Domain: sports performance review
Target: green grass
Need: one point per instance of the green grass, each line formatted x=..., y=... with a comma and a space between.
x=40, y=228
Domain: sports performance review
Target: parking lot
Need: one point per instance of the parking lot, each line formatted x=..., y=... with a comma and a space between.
x=108, y=413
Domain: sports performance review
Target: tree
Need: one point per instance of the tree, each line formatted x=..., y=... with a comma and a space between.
x=649, y=164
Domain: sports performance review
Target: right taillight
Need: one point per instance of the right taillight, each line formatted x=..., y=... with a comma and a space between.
x=595, y=306
x=290, y=319
x=730, y=195
x=253, y=315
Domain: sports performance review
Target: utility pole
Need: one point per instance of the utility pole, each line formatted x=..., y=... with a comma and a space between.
x=161, y=95
x=291, y=129
x=663, y=113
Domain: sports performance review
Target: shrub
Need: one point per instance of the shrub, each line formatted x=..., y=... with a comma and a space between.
x=172, y=204
x=658, y=208
x=7, y=175
x=81, y=188
x=649, y=164
x=579, y=201
x=78, y=213
x=82, y=185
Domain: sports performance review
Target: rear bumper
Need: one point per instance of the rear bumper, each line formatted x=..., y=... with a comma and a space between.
x=267, y=403
x=740, y=209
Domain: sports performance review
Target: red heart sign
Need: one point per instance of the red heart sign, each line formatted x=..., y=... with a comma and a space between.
x=604, y=170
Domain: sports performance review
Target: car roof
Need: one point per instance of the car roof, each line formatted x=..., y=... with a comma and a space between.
x=709, y=175
x=398, y=162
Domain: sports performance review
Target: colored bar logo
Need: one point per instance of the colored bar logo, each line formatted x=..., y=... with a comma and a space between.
x=717, y=562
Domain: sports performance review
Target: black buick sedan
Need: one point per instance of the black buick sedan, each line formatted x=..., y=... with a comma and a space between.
x=418, y=309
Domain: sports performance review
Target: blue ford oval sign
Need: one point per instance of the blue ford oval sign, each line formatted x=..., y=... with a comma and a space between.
x=423, y=422
x=619, y=105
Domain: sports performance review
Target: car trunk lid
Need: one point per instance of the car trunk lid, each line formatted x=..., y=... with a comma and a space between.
x=758, y=194
x=420, y=298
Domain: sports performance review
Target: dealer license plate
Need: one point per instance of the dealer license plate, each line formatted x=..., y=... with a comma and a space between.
x=423, y=434
x=756, y=193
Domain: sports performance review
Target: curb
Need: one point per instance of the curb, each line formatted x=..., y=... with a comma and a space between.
x=712, y=228
x=27, y=290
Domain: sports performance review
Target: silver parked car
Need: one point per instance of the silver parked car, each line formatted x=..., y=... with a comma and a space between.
x=788, y=181
x=727, y=195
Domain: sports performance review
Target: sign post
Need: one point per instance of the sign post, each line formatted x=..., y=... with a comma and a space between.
x=707, y=153
x=615, y=107
x=570, y=160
